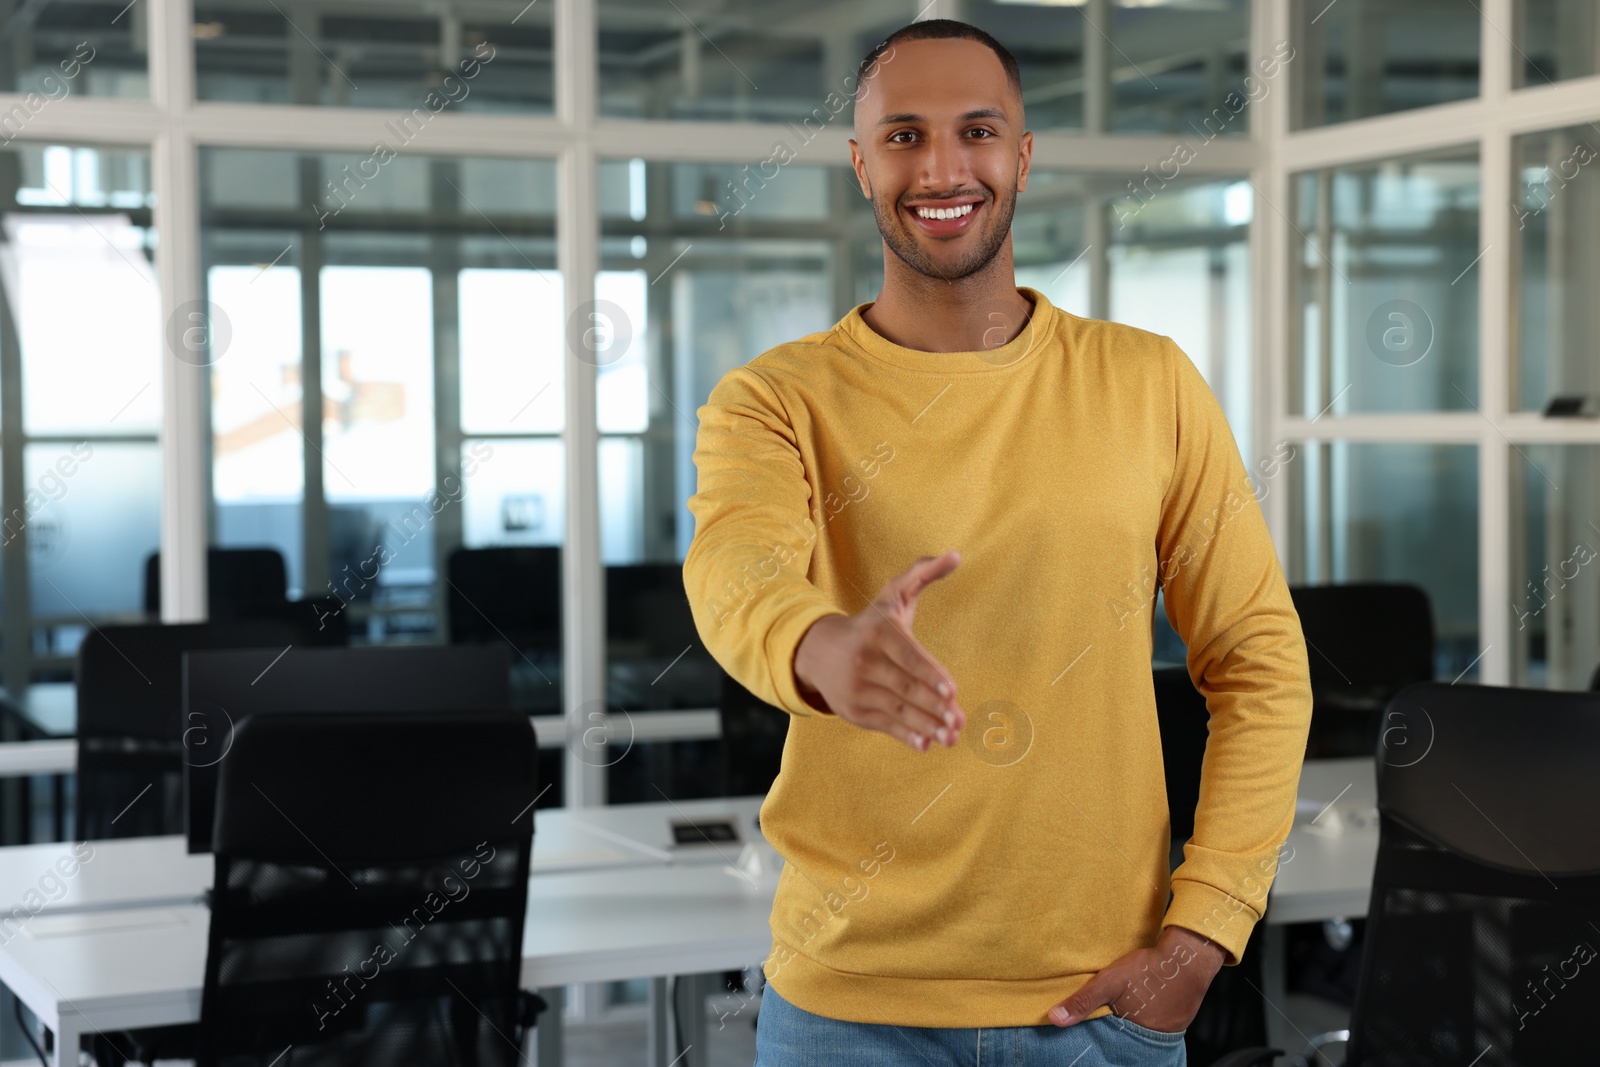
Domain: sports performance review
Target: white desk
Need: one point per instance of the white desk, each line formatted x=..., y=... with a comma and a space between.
x=132, y=872
x=109, y=970
x=648, y=827
x=105, y=970
x=141, y=872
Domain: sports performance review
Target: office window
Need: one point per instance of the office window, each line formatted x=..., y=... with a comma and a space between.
x=1357, y=60
x=420, y=295
x=741, y=60
x=257, y=458
x=1168, y=68
x=1555, y=560
x=1385, y=292
x=410, y=56
x=1557, y=220
x=1555, y=40
x=1370, y=512
x=81, y=485
x=1181, y=267
x=52, y=51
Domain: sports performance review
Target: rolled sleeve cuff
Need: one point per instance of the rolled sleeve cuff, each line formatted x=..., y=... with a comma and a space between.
x=783, y=640
x=1214, y=914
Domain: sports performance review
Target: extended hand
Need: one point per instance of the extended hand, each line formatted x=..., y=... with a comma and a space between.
x=867, y=669
x=1159, y=988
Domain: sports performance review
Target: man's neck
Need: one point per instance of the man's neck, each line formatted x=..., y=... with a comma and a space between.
x=982, y=311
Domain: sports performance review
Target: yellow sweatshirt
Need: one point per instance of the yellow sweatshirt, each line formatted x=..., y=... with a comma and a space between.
x=1076, y=469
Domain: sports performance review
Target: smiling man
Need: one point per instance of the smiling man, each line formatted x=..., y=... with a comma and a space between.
x=973, y=815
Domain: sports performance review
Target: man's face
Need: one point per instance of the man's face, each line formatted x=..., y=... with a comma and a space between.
x=938, y=126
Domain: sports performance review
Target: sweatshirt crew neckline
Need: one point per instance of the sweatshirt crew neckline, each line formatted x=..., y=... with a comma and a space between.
x=1036, y=334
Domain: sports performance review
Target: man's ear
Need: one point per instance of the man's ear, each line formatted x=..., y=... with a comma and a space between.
x=1026, y=160
x=859, y=164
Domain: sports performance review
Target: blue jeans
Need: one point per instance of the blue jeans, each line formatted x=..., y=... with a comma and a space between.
x=788, y=1036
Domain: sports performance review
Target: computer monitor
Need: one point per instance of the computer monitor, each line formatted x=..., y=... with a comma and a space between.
x=221, y=688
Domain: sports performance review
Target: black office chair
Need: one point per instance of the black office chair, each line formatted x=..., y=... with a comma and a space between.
x=753, y=733
x=1487, y=884
x=1364, y=643
x=1232, y=1015
x=130, y=726
x=221, y=688
x=370, y=893
x=647, y=608
x=252, y=583
x=238, y=581
x=506, y=595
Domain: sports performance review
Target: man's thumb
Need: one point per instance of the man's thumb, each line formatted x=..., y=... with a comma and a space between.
x=1095, y=992
x=921, y=574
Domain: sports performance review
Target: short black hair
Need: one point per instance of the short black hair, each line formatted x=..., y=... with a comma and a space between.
x=943, y=29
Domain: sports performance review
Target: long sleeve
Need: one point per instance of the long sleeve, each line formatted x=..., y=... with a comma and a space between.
x=745, y=571
x=1226, y=596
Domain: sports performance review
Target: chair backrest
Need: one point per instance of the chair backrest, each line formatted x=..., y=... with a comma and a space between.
x=1487, y=886
x=1364, y=642
x=221, y=689
x=1185, y=727
x=753, y=733
x=1366, y=634
x=506, y=595
x=646, y=606
x=238, y=581
x=371, y=889
x=130, y=719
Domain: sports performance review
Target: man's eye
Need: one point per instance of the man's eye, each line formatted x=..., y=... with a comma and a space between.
x=989, y=133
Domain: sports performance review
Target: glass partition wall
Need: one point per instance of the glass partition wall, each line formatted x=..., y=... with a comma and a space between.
x=1435, y=305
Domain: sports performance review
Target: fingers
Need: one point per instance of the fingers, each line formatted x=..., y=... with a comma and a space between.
x=929, y=676
x=898, y=716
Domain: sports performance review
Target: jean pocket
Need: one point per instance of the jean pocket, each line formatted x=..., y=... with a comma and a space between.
x=1166, y=1037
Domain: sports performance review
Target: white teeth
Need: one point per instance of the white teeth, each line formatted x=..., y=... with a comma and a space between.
x=945, y=212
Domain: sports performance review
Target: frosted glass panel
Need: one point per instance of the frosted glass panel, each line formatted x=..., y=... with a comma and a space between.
x=98, y=519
